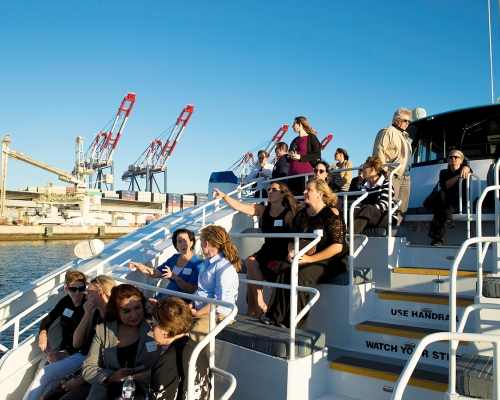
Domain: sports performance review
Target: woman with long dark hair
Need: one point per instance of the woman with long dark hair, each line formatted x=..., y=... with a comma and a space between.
x=121, y=345
x=276, y=217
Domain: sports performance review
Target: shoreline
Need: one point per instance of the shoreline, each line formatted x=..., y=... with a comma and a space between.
x=15, y=233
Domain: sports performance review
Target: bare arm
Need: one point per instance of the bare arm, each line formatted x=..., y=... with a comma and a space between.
x=324, y=254
x=249, y=209
x=82, y=331
x=151, y=272
x=185, y=286
x=289, y=218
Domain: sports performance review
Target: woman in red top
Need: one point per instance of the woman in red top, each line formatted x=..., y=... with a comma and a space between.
x=305, y=150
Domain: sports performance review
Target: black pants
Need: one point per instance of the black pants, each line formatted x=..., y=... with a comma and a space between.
x=309, y=275
x=369, y=215
x=443, y=210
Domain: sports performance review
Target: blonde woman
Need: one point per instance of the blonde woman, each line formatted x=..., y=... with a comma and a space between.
x=218, y=278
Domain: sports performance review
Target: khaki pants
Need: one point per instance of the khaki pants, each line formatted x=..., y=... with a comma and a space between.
x=201, y=326
x=401, y=186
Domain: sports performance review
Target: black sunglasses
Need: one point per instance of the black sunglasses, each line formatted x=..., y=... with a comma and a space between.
x=80, y=289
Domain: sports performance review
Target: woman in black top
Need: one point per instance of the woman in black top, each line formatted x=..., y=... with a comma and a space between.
x=329, y=260
x=276, y=217
x=448, y=195
x=172, y=319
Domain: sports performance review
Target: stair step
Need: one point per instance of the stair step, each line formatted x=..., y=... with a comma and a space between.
x=425, y=379
x=384, y=328
x=428, y=298
x=434, y=271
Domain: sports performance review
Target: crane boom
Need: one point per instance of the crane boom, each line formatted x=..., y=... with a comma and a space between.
x=325, y=141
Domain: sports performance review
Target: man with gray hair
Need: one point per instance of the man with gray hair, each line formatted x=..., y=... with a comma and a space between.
x=392, y=145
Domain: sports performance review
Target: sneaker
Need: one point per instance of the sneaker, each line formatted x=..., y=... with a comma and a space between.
x=449, y=224
x=437, y=242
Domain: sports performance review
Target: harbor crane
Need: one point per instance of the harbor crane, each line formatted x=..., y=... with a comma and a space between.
x=155, y=157
x=240, y=167
x=99, y=155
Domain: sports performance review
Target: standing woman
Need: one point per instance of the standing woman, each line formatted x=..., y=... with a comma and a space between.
x=448, y=195
x=329, y=260
x=172, y=321
x=342, y=179
x=182, y=268
x=276, y=217
x=304, y=152
x=123, y=343
x=218, y=278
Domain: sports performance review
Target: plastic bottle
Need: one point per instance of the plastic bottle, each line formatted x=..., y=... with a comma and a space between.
x=128, y=390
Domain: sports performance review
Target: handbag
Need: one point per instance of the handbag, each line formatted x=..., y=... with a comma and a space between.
x=303, y=243
x=430, y=200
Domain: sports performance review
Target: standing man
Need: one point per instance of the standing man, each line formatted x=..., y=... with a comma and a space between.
x=281, y=167
x=260, y=170
x=392, y=145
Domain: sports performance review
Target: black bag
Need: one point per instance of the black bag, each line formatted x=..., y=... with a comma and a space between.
x=430, y=200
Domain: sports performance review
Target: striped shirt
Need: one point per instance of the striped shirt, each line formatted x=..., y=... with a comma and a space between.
x=378, y=195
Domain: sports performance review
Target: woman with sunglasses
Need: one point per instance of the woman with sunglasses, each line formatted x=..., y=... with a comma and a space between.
x=122, y=346
x=303, y=154
x=321, y=172
x=218, y=278
x=373, y=209
x=448, y=196
x=342, y=179
x=277, y=217
x=70, y=311
x=182, y=268
x=172, y=320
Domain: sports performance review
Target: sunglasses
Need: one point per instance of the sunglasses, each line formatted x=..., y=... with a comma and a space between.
x=73, y=289
x=404, y=120
x=273, y=189
x=316, y=170
x=454, y=157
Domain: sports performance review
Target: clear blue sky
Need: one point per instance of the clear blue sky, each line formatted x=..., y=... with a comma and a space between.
x=247, y=66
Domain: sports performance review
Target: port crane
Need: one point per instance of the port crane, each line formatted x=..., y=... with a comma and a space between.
x=99, y=155
x=240, y=167
x=155, y=157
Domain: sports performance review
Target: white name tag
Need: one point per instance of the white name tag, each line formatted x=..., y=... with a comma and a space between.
x=68, y=313
x=278, y=222
x=151, y=346
x=187, y=271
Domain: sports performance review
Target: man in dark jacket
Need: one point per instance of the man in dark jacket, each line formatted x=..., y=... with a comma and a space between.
x=281, y=167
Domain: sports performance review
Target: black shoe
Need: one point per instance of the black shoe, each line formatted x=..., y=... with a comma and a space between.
x=266, y=320
x=449, y=224
x=437, y=242
x=279, y=324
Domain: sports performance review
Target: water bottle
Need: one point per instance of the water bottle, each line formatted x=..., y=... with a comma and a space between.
x=128, y=390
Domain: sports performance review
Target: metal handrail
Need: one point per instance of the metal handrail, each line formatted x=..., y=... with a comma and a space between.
x=209, y=339
x=449, y=336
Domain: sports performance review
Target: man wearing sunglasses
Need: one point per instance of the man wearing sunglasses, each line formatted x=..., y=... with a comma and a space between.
x=393, y=145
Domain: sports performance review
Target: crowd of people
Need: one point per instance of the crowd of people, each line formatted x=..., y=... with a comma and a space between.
x=111, y=332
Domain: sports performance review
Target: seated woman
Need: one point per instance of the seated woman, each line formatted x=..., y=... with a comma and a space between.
x=182, y=269
x=329, y=260
x=342, y=179
x=448, y=195
x=218, y=278
x=172, y=321
x=321, y=172
x=372, y=211
x=70, y=311
x=357, y=181
x=276, y=217
x=73, y=386
x=122, y=346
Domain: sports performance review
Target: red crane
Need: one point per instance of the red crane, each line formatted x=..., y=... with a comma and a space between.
x=100, y=153
x=242, y=165
x=325, y=141
x=155, y=157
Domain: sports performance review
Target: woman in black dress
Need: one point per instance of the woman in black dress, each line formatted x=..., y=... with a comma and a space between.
x=276, y=217
x=329, y=260
x=172, y=321
x=448, y=195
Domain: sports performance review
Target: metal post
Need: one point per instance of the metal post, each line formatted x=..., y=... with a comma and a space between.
x=491, y=53
x=5, y=159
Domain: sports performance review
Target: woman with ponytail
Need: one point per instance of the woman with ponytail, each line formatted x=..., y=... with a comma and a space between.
x=218, y=278
x=277, y=217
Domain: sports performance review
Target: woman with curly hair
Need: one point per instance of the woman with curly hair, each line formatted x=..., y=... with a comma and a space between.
x=329, y=259
x=218, y=278
x=276, y=217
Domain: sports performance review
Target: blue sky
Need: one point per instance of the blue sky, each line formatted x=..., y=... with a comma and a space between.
x=248, y=67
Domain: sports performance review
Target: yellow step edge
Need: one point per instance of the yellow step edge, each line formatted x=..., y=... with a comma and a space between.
x=423, y=299
x=432, y=271
x=384, y=330
x=388, y=376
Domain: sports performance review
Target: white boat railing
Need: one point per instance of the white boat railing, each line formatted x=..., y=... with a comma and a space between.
x=207, y=340
x=294, y=272
x=449, y=336
x=468, y=198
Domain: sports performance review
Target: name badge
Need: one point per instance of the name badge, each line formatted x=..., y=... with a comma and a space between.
x=187, y=271
x=278, y=222
x=151, y=346
x=68, y=313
